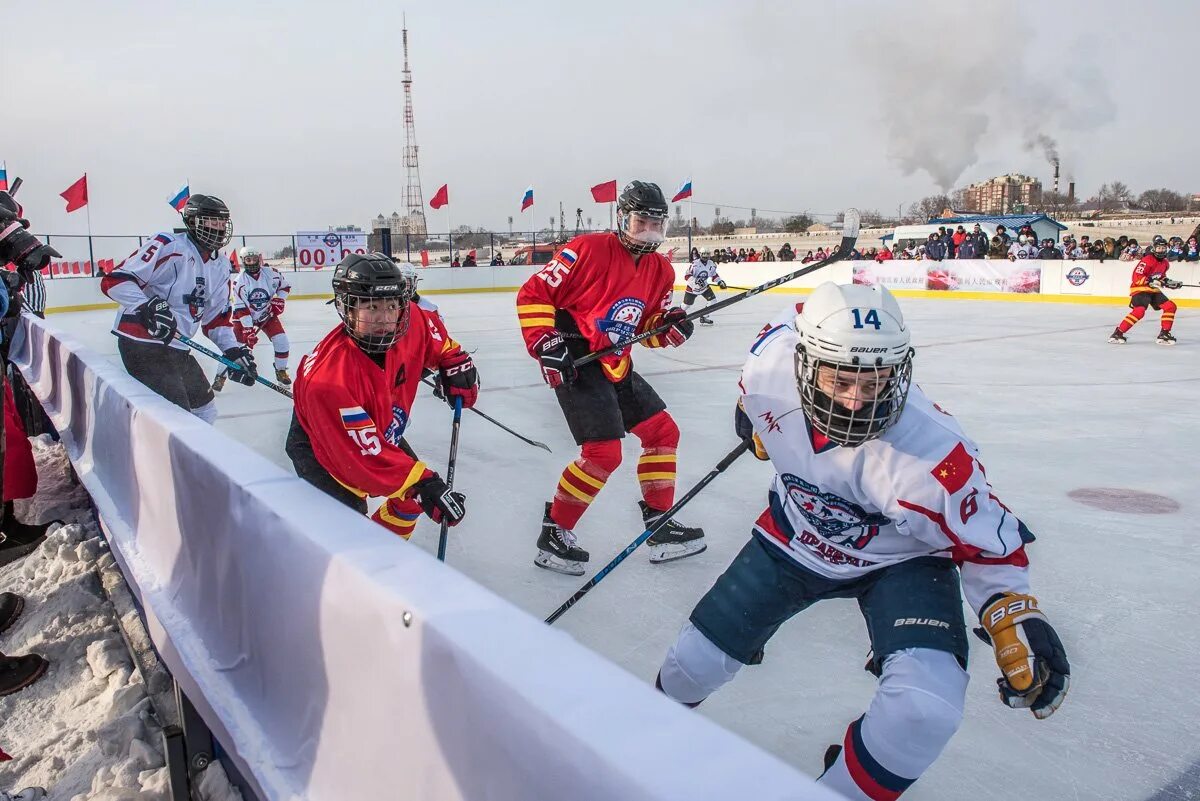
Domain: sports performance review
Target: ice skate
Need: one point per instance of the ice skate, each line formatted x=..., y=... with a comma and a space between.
x=673, y=541
x=218, y=383
x=281, y=375
x=1117, y=338
x=557, y=550
x=1166, y=338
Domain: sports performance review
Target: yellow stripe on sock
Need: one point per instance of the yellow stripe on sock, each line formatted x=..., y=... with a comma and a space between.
x=668, y=457
x=565, y=485
x=584, y=477
x=655, y=476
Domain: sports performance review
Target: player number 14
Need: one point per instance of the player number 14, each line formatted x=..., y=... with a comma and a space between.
x=871, y=318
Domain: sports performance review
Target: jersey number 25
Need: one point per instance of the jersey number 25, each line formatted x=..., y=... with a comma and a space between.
x=554, y=272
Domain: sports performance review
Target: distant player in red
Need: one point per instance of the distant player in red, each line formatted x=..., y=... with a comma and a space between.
x=1146, y=289
x=598, y=290
x=355, y=390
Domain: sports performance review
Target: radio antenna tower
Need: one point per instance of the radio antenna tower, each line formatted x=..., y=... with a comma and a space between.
x=413, y=197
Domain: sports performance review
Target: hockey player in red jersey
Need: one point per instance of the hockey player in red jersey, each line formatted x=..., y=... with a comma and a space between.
x=1146, y=289
x=598, y=290
x=878, y=496
x=355, y=390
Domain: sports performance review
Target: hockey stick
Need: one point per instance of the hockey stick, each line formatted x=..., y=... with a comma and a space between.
x=426, y=380
x=729, y=459
x=849, y=237
x=442, y=537
x=231, y=365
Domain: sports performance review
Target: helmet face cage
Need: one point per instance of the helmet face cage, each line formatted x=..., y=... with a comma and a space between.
x=351, y=298
x=251, y=259
x=1160, y=247
x=642, y=231
x=211, y=232
x=844, y=426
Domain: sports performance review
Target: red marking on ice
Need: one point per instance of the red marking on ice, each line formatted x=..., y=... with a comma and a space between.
x=1129, y=501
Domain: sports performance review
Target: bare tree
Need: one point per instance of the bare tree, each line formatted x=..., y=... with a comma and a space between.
x=1160, y=200
x=798, y=224
x=929, y=207
x=958, y=200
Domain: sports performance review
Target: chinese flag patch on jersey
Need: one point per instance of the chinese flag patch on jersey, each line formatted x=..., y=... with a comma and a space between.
x=955, y=470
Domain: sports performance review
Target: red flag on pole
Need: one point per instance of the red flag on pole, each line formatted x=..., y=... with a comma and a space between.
x=441, y=197
x=76, y=194
x=605, y=192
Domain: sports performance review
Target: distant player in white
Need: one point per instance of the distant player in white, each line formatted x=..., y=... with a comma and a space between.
x=878, y=495
x=699, y=276
x=179, y=283
x=1024, y=248
x=409, y=271
x=259, y=296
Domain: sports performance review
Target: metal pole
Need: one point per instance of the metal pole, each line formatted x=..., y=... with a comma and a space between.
x=295, y=264
x=407, y=248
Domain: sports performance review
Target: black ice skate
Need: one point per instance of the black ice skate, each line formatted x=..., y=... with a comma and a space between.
x=219, y=382
x=1166, y=338
x=672, y=541
x=1117, y=337
x=557, y=550
x=705, y=320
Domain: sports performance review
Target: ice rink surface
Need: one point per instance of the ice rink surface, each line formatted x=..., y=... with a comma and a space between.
x=1054, y=408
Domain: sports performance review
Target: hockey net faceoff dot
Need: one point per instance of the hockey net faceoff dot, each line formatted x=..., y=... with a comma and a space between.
x=1113, y=499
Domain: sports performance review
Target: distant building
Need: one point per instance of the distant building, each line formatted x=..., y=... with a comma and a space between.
x=401, y=226
x=1003, y=194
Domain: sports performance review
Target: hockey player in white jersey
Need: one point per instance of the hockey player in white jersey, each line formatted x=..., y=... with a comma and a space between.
x=878, y=496
x=179, y=284
x=409, y=271
x=259, y=296
x=700, y=276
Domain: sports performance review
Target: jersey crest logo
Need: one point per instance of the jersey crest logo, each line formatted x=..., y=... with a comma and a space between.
x=258, y=299
x=395, y=429
x=838, y=520
x=197, y=299
x=622, y=320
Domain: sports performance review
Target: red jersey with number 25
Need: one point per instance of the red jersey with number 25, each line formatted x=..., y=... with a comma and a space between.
x=355, y=412
x=609, y=296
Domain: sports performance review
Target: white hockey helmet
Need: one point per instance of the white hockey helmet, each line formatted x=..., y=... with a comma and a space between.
x=853, y=344
x=409, y=271
x=705, y=253
x=251, y=259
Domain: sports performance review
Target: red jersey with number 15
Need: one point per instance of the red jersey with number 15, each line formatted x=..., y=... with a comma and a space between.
x=607, y=295
x=355, y=412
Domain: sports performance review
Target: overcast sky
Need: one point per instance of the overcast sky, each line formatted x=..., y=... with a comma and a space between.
x=293, y=111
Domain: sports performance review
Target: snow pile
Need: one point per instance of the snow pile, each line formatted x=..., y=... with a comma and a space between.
x=86, y=730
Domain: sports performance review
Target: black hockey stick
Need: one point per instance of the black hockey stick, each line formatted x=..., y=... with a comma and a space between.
x=729, y=459
x=442, y=536
x=231, y=365
x=426, y=380
x=849, y=237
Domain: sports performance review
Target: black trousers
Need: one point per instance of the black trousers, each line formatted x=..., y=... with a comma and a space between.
x=174, y=374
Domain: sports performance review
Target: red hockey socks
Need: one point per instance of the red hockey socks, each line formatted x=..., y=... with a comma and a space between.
x=1135, y=314
x=656, y=467
x=583, y=479
x=1168, y=315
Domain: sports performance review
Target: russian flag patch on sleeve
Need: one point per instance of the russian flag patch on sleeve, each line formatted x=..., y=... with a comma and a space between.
x=355, y=417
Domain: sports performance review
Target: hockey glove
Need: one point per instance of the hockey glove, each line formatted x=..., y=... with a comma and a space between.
x=681, y=328
x=1170, y=283
x=247, y=371
x=744, y=428
x=439, y=501
x=722, y=284
x=1029, y=653
x=459, y=379
x=558, y=367
x=277, y=305
x=250, y=338
x=156, y=315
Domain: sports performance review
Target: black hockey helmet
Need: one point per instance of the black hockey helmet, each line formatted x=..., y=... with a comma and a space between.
x=208, y=222
x=642, y=217
x=1159, y=247
x=372, y=284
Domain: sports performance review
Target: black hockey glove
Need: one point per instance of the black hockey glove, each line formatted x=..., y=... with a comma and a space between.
x=1036, y=672
x=681, y=328
x=744, y=428
x=247, y=371
x=1171, y=283
x=722, y=284
x=558, y=367
x=156, y=315
x=439, y=501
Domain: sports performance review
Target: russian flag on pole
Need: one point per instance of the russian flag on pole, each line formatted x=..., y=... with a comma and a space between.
x=3, y=177
x=527, y=199
x=685, y=191
x=180, y=198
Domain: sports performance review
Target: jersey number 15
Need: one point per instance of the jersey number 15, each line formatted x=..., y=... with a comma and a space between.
x=367, y=440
